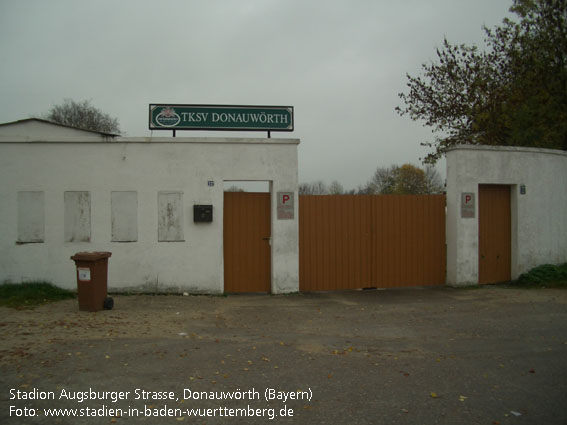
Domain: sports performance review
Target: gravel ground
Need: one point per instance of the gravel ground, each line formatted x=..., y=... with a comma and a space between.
x=405, y=356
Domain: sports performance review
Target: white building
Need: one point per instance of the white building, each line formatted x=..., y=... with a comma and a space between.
x=506, y=212
x=65, y=190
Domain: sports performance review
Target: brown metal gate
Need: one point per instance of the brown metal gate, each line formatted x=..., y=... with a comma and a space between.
x=494, y=233
x=247, y=254
x=358, y=241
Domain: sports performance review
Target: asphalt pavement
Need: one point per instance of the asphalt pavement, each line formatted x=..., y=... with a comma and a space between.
x=491, y=356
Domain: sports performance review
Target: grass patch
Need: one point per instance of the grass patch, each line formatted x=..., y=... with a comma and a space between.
x=547, y=275
x=31, y=294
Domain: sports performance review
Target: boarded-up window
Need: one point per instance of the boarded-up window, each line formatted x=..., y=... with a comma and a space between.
x=124, y=216
x=77, y=216
x=31, y=221
x=170, y=216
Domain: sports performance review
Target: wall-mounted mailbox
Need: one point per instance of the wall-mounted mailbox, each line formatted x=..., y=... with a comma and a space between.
x=202, y=213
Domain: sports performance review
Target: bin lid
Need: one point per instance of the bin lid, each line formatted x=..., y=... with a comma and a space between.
x=90, y=256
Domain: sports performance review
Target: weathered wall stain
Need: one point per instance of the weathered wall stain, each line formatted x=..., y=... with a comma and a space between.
x=124, y=216
x=170, y=216
x=31, y=221
x=77, y=216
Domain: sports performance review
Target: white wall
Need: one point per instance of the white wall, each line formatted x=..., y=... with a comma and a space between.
x=146, y=166
x=539, y=218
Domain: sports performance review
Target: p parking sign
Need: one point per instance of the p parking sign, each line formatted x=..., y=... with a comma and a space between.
x=468, y=205
x=285, y=206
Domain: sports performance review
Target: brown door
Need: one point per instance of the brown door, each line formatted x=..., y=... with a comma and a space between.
x=247, y=253
x=494, y=240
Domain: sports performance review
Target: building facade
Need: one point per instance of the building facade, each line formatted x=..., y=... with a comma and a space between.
x=65, y=190
x=506, y=212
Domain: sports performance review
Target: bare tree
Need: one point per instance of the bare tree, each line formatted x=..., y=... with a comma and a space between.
x=383, y=181
x=320, y=188
x=433, y=180
x=335, y=188
x=406, y=179
x=363, y=189
x=315, y=188
x=83, y=115
x=304, y=189
x=396, y=179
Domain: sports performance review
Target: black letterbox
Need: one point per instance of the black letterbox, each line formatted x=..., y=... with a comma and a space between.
x=202, y=213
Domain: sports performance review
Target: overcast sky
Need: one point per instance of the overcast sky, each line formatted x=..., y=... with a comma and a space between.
x=341, y=64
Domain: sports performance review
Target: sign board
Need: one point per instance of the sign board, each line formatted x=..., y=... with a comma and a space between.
x=84, y=274
x=468, y=205
x=285, y=206
x=220, y=117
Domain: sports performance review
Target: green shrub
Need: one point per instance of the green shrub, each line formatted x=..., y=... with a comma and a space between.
x=547, y=273
x=31, y=294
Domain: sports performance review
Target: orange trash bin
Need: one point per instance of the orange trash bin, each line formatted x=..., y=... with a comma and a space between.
x=92, y=280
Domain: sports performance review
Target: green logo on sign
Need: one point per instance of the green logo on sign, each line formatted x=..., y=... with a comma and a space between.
x=168, y=118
